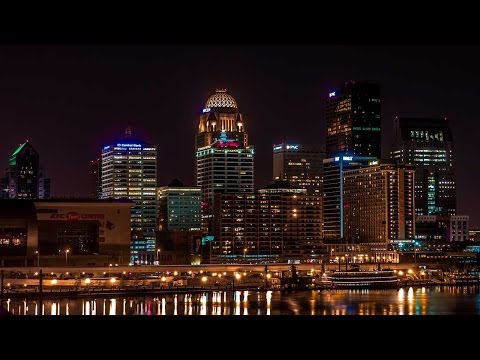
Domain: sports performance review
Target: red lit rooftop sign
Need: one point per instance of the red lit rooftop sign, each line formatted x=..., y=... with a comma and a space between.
x=74, y=216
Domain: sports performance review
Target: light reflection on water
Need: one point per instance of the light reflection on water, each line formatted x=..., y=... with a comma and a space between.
x=405, y=301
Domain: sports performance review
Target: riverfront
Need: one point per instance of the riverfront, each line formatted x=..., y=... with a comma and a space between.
x=439, y=300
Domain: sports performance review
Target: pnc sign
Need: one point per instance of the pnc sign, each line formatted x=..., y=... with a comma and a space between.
x=74, y=216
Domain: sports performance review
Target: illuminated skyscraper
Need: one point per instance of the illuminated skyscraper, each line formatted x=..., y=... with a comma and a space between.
x=129, y=170
x=301, y=165
x=379, y=204
x=24, y=178
x=224, y=160
x=428, y=144
x=353, y=120
x=279, y=223
x=225, y=166
x=333, y=199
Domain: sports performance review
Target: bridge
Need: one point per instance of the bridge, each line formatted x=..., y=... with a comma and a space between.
x=229, y=268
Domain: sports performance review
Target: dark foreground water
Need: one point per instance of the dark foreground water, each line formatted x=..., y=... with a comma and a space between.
x=408, y=301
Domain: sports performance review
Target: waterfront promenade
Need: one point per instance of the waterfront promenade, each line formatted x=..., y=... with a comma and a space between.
x=140, y=280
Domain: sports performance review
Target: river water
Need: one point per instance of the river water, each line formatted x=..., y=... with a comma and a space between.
x=439, y=300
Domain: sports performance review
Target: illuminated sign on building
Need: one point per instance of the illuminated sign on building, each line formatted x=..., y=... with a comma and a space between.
x=229, y=143
x=207, y=238
x=74, y=216
x=346, y=158
x=277, y=147
x=106, y=147
x=223, y=141
x=375, y=162
x=332, y=94
x=130, y=145
x=292, y=147
x=206, y=110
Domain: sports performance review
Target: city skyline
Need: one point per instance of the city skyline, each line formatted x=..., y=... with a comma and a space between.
x=89, y=94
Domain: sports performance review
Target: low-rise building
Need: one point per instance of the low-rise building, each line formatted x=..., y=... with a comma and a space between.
x=63, y=229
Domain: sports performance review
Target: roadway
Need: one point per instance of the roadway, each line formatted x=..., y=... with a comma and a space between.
x=205, y=268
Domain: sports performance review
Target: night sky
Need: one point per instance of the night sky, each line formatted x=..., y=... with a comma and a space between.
x=69, y=100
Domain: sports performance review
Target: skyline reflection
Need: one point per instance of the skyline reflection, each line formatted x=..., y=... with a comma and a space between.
x=405, y=301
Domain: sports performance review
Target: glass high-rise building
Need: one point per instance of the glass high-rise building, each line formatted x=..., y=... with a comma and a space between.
x=179, y=207
x=129, y=170
x=300, y=164
x=353, y=124
x=25, y=178
x=428, y=144
x=333, y=199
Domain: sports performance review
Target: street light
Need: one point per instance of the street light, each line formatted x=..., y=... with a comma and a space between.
x=109, y=269
x=245, y=255
x=158, y=250
x=66, y=256
x=38, y=259
x=236, y=276
x=296, y=216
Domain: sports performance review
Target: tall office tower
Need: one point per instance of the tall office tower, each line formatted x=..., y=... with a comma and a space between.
x=179, y=207
x=353, y=120
x=428, y=144
x=379, y=204
x=129, y=170
x=95, y=178
x=24, y=178
x=301, y=165
x=333, y=193
x=224, y=159
x=279, y=223
x=225, y=166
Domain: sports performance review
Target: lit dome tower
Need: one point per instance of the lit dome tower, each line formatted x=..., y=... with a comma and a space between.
x=224, y=161
x=220, y=114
